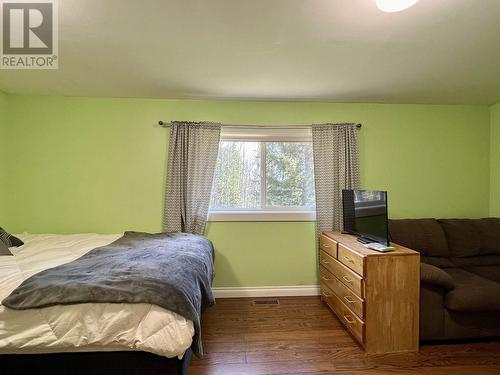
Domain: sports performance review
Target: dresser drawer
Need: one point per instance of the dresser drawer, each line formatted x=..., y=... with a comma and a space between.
x=328, y=245
x=351, y=259
x=356, y=304
x=349, y=278
x=350, y=320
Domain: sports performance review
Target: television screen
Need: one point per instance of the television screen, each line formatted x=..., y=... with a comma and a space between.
x=365, y=214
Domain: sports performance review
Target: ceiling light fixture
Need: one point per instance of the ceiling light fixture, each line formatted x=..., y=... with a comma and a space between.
x=394, y=5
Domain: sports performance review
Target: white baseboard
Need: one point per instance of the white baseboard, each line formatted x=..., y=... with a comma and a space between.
x=267, y=291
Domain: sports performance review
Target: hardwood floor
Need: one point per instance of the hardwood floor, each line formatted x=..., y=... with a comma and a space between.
x=302, y=336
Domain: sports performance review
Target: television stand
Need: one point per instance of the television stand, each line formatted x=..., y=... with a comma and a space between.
x=363, y=240
x=375, y=295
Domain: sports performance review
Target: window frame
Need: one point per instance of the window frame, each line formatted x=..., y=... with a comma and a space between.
x=265, y=134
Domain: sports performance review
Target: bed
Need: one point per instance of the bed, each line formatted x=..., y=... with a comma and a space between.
x=112, y=337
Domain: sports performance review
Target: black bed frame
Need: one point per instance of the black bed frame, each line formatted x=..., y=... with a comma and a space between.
x=90, y=363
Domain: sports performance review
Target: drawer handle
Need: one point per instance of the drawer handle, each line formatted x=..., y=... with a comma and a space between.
x=325, y=278
x=349, y=299
x=349, y=320
x=324, y=261
x=346, y=279
x=325, y=246
x=349, y=259
x=325, y=294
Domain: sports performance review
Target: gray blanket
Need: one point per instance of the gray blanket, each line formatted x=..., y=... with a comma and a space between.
x=173, y=271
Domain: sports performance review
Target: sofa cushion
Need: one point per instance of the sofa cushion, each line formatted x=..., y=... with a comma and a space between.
x=441, y=262
x=467, y=325
x=463, y=238
x=430, y=274
x=489, y=230
x=472, y=292
x=487, y=272
x=480, y=260
x=423, y=235
x=472, y=237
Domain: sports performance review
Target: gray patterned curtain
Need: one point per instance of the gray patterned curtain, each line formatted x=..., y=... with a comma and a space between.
x=336, y=167
x=191, y=165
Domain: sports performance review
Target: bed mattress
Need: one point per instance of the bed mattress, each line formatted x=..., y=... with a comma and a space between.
x=81, y=327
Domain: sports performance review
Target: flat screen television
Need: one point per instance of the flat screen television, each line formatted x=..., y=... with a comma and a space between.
x=365, y=215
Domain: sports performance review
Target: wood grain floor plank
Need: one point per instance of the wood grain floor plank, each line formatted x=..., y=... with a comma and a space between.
x=210, y=359
x=302, y=355
x=272, y=368
x=328, y=342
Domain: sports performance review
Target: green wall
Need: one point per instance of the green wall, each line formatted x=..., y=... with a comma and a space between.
x=3, y=161
x=495, y=161
x=98, y=165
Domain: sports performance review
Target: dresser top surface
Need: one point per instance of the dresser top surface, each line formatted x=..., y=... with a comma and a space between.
x=351, y=242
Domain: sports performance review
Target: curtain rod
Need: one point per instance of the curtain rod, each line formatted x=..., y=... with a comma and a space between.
x=167, y=125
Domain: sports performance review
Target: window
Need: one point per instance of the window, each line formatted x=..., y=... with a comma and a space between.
x=263, y=174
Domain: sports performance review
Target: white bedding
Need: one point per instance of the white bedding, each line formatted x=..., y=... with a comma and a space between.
x=81, y=327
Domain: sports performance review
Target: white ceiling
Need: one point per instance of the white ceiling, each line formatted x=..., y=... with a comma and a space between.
x=438, y=51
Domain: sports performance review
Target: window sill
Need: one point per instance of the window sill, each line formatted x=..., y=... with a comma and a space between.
x=262, y=216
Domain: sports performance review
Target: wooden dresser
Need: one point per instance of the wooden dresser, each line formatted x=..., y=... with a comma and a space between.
x=375, y=295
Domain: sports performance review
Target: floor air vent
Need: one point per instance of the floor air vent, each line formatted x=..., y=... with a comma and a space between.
x=273, y=301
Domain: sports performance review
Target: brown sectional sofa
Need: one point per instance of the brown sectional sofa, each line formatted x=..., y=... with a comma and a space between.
x=460, y=275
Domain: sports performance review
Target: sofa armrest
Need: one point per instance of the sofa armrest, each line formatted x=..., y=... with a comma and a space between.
x=430, y=274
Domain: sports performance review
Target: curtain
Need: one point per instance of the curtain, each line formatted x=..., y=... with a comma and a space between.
x=336, y=167
x=191, y=165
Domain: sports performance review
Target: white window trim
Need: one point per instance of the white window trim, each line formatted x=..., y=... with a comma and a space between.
x=262, y=215
x=264, y=134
